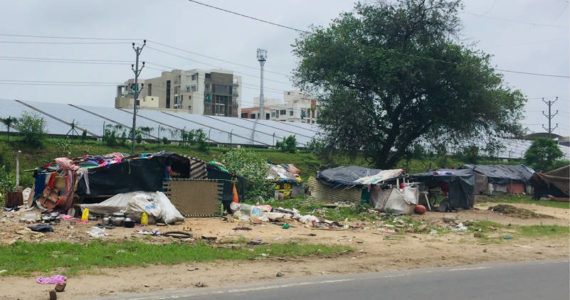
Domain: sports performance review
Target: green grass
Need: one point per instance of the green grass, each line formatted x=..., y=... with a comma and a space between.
x=543, y=230
x=24, y=258
x=524, y=199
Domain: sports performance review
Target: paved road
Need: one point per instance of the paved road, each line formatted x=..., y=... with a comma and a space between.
x=547, y=280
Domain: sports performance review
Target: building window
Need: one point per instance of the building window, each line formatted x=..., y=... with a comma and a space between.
x=273, y=114
x=208, y=75
x=283, y=112
x=149, y=89
x=290, y=112
x=194, y=76
x=193, y=88
x=187, y=89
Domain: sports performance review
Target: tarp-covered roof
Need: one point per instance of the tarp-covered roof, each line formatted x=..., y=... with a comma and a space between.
x=345, y=175
x=559, y=178
x=503, y=174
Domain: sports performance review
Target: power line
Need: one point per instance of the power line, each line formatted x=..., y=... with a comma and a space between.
x=533, y=74
x=63, y=60
x=208, y=64
x=61, y=43
x=215, y=58
x=71, y=83
x=249, y=17
x=65, y=37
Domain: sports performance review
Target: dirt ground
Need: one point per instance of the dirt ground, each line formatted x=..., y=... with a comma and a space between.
x=375, y=250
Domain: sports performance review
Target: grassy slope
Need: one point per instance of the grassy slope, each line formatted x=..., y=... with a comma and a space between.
x=524, y=199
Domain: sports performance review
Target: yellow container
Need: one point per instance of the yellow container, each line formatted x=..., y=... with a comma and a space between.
x=85, y=215
x=144, y=219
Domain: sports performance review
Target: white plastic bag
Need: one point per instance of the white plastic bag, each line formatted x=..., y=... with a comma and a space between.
x=169, y=214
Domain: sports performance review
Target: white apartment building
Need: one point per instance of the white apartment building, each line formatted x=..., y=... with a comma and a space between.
x=296, y=107
x=197, y=91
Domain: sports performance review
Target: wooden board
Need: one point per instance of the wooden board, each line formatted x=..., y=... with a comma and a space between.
x=195, y=198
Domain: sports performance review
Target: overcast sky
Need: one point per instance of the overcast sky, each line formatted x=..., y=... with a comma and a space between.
x=522, y=35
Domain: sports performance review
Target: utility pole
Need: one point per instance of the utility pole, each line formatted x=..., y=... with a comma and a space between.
x=261, y=57
x=136, y=92
x=550, y=116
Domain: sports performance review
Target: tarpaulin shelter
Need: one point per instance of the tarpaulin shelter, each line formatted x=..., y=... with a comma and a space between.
x=217, y=171
x=378, y=187
x=500, y=179
x=461, y=183
x=554, y=183
x=344, y=176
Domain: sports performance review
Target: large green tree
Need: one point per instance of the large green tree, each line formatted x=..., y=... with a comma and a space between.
x=392, y=74
x=542, y=154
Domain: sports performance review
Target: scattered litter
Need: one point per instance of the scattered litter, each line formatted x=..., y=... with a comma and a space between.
x=242, y=228
x=41, y=228
x=384, y=229
x=286, y=226
x=3, y=271
x=209, y=238
x=97, y=232
x=279, y=274
x=459, y=227
x=508, y=238
x=200, y=284
x=191, y=269
x=178, y=234
x=55, y=279
x=66, y=217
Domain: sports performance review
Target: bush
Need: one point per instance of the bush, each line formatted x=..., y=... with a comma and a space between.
x=6, y=184
x=289, y=144
x=249, y=165
x=543, y=154
x=31, y=127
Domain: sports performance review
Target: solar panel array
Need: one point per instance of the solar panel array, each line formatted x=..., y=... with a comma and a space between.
x=61, y=118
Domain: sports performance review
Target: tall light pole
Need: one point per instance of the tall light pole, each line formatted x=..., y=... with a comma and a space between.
x=261, y=57
x=136, y=92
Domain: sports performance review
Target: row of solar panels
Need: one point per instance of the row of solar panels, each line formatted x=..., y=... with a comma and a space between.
x=61, y=119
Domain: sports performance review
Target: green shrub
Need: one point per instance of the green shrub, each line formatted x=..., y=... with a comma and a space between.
x=289, y=144
x=543, y=154
x=31, y=127
x=248, y=164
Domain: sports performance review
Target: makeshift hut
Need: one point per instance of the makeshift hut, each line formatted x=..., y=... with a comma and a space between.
x=338, y=184
x=381, y=188
x=501, y=179
x=551, y=184
x=195, y=187
x=458, y=184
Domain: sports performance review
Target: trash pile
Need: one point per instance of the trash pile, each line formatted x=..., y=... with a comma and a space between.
x=258, y=214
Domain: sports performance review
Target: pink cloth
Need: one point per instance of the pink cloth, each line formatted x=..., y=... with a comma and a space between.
x=56, y=279
x=66, y=217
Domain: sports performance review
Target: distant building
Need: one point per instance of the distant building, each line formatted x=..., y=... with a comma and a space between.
x=204, y=92
x=297, y=107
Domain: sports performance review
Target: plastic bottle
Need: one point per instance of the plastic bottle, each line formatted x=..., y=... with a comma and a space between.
x=85, y=215
x=144, y=219
x=249, y=210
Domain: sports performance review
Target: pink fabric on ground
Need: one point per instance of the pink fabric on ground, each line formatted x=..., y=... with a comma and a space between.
x=56, y=279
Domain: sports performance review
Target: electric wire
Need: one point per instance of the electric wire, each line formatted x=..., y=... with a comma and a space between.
x=249, y=17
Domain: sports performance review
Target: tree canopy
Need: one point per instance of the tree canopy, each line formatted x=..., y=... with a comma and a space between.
x=389, y=75
x=542, y=154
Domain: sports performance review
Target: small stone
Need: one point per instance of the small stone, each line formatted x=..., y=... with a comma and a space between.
x=279, y=274
x=484, y=250
x=200, y=284
x=192, y=269
x=146, y=285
